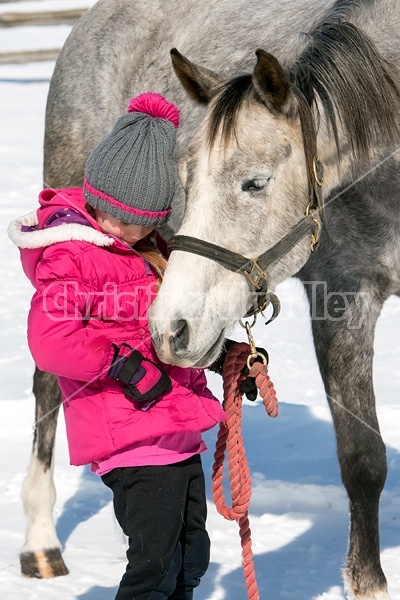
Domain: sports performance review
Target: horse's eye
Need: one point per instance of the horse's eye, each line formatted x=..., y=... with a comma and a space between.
x=254, y=185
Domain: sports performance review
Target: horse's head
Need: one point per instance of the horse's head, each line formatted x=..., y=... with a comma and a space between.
x=247, y=185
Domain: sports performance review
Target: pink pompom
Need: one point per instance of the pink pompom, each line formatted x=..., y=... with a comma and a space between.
x=155, y=105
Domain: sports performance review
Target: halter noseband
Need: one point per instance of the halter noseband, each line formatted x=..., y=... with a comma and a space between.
x=255, y=269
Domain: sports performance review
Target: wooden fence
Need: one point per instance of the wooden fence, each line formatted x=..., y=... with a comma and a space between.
x=25, y=56
x=49, y=17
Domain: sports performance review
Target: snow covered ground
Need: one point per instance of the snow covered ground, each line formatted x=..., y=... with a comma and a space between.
x=299, y=510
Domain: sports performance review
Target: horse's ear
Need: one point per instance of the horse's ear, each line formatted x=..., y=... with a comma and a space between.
x=271, y=83
x=200, y=83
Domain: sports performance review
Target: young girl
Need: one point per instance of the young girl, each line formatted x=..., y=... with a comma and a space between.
x=92, y=257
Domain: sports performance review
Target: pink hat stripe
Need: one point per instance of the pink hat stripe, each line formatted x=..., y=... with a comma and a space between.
x=129, y=209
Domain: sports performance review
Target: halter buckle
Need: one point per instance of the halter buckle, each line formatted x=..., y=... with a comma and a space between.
x=315, y=233
x=256, y=275
x=318, y=171
x=315, y=227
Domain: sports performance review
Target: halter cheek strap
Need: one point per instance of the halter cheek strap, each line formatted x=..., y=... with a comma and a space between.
x=255, y=269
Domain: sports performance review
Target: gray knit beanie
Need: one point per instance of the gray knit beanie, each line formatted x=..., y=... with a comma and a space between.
x=131, y=174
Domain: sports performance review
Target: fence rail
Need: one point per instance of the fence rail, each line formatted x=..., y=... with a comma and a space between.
x=49, y=17
x=25, y=56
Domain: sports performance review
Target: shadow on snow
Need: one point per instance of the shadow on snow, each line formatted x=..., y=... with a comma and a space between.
x=296, y=451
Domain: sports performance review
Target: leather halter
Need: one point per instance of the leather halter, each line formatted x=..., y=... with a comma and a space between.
x=255, y=269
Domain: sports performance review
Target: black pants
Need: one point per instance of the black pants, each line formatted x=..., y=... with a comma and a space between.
x=162, y=510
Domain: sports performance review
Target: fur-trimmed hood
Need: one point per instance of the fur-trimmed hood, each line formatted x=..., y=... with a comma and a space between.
x=29, y=231
x=32, y=234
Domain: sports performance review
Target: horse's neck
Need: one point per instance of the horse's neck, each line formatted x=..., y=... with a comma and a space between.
x=337, y=163
x=346, y=171
x=379, y=19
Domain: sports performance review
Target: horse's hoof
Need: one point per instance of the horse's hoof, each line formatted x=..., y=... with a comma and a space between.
x=43, y=564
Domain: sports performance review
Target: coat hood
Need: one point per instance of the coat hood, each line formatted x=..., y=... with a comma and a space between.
x=32, y=232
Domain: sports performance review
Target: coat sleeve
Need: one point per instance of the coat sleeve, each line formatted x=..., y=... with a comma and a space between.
x=198, y=382
x=58, y=338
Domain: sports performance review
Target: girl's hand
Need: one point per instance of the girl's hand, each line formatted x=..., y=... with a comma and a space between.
x=144, y=380
x=248, y=386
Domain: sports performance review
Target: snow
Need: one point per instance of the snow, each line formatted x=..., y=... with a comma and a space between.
x=299, y=509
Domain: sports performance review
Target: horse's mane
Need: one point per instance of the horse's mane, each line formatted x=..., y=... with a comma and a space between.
x=339, y=70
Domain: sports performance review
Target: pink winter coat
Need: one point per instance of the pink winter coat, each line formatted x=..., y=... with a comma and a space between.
x=92, y=292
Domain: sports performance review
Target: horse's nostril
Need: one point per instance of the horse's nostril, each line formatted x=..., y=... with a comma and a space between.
x=179, y=337
x=177, y=326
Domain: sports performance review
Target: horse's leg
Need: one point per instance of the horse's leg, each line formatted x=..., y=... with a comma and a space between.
x=343, y=327
x=41, y=553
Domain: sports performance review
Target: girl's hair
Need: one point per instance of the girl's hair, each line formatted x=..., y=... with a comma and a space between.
x=147, y=247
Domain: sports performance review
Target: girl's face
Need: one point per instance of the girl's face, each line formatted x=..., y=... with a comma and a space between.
x=127, y=232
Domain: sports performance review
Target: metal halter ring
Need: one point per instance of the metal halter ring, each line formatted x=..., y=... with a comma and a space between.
x=246, y=324
x=256, y=355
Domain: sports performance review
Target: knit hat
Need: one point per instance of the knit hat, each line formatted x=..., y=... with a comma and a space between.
x=131, y=174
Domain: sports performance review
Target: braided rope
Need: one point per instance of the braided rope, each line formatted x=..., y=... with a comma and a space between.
x=230, y=438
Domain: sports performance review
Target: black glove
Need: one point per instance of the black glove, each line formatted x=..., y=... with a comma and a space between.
x=248, y=386
x=218, y=364
x=145, y=380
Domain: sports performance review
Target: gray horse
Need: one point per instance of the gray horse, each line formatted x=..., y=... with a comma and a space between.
x=323, y=93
